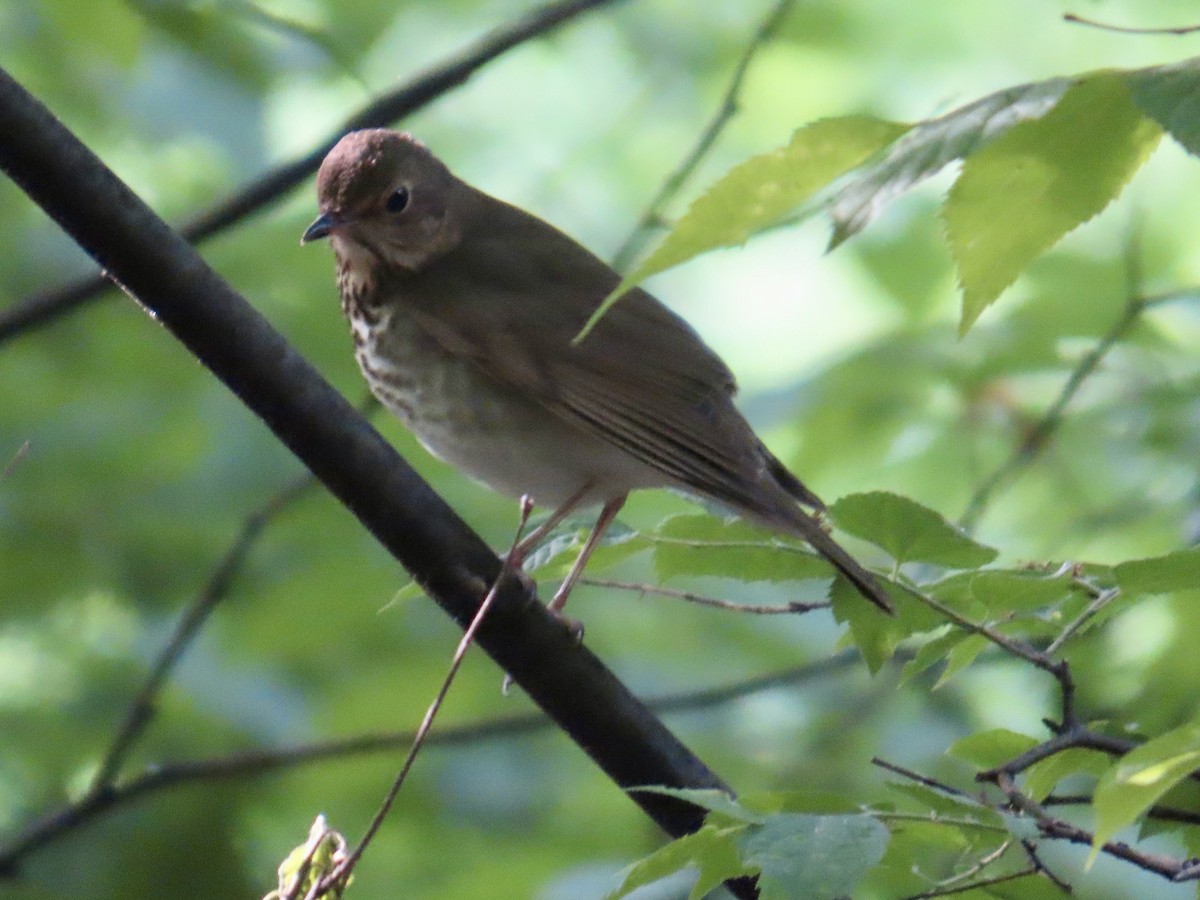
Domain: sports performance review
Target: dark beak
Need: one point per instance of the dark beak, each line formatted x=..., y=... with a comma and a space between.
x=320, y=228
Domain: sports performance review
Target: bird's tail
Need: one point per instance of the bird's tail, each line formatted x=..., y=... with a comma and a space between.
x=864, y=582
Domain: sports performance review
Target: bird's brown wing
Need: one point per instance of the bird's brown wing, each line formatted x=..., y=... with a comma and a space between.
x=514, y=298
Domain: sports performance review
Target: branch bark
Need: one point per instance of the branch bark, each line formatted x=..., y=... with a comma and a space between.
x=161, y=271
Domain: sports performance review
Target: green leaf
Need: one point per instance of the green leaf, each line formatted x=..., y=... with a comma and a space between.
x=707, y=546
x=933, y=144
x=804, y=857
x=875, y=636
x=908, y=531
x=1007, y=591
x=710, y=799
x=945, y=804
x=760, y=192
x=1024, y=191
x=1042, y=777
x=1171, y=96
x=1178, y=571
x=1141, y=777
x=992, y=748
x=961, y=656
x=931, y=653
x=711, y=850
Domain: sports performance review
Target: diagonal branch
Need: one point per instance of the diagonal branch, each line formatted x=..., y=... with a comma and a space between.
x=455, y=566
x=46, y=306
x=1038, y=437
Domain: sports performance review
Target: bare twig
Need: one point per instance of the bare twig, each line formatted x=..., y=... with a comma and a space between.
x=1035, y=859
x=652, y=217
x=1100, y=600
x=252, y=763
x=1124, y=29
x=340, y=876
x=953, y=889
x=924, y=780
x=141, y=709
x=1058, y=829
x=42, y=308
x=15, y=461
x=793, y=607
x=1038, y=436
x=1162, y=813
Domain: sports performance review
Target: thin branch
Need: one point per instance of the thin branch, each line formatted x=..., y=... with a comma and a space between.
x=652, y=217
x=920, y=779
x=793, y=607
x=141, y=709
x=340, y=876
x=1035, y=859
x=1162, y=813
x=1100, y=600
x=15, y=461
x=254, y=763
x=44, y=307
x=1037, y=438
x=973, y=885
x=1124, y=29
x=1051, y=827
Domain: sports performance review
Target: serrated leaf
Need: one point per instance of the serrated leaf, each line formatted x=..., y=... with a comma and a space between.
x=1178, y=571
x=804, y=857
x=932, y=145
x=1023, y=192
x=992, y=748
x=711, y=850
x=960, y=656
x=1141, y=777
x=908, y=531
x=1171, y=96
x=761, y=191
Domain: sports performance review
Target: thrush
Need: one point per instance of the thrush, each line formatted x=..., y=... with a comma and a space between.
x=463, y=310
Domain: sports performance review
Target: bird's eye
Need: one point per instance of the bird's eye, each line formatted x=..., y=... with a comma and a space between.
x=398, y=200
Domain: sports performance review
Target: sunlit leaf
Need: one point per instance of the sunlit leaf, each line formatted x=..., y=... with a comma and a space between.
x=759, y=192
x=1025, y=190
x=1141, y=777
x=932, y=145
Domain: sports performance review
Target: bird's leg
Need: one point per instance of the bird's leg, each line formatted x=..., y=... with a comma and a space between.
x=607, y=514
x=517, y=555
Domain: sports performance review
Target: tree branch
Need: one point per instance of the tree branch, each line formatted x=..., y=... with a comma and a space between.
x=452, y=563
x=252, y=763
x=46, y=306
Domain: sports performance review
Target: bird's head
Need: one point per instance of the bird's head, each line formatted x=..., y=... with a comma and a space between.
x=384, y=198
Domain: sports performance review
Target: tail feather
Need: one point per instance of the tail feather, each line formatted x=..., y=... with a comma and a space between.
x=864, y=582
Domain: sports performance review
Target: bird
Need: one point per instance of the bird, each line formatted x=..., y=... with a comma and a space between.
x=464, y=312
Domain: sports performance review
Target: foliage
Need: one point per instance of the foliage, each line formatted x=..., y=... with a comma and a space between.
x=1022, y=473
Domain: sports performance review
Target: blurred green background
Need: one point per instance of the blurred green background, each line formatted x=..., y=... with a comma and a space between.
x=141, y=467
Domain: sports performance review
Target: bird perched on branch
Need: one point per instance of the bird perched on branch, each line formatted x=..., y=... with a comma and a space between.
x=463, y=311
